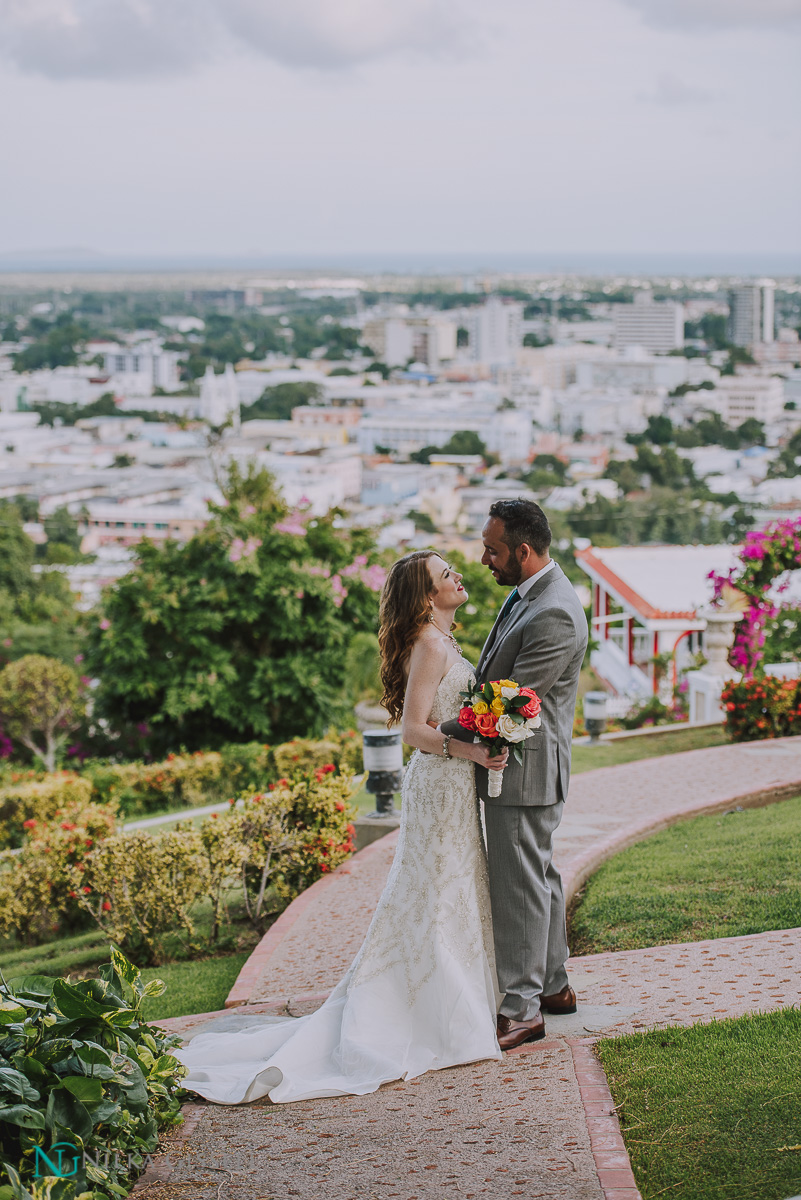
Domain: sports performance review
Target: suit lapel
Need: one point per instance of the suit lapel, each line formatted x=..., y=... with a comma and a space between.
x=493, y=633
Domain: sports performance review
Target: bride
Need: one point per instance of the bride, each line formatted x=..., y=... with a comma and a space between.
x=420, y=994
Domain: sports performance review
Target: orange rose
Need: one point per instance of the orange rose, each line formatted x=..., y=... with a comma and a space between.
x=534, y=705
x=485, y=725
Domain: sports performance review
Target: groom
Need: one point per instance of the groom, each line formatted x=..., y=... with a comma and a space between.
x=538, y=640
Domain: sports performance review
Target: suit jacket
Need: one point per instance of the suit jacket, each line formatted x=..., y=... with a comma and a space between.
x=540, y=644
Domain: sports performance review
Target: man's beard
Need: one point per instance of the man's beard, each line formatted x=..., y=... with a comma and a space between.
x=510, y=575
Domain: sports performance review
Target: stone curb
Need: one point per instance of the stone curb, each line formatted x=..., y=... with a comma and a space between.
x=609, y=1152
x=242, y=990
x=162, y=1173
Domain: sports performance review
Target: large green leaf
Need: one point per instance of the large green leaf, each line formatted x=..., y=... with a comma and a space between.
x=17, y=1083
x=125, y=969
x=156, y=987
x=11, y=1012
x=22, y=1115
x=89, y=1091
x=67, y=1113
x=35, y=987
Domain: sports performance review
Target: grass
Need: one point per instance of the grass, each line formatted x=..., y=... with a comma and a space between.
x=193, y=987
x=708, y=877
x=712, y=1112
x=672, y=741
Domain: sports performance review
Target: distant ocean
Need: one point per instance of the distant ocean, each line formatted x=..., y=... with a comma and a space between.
x=465, y=263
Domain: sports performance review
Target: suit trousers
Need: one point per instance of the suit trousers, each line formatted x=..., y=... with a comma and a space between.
x=528, y=905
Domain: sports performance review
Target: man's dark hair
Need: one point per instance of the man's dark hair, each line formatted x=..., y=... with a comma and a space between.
x=523, y=521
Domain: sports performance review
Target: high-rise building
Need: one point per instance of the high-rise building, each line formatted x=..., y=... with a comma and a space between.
x=496, y=331
x=656, y=325
x=751, y=313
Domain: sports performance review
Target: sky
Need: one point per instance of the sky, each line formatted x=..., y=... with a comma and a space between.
x=344, y=127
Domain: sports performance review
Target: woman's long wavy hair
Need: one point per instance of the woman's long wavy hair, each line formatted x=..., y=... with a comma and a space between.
x=405, y=609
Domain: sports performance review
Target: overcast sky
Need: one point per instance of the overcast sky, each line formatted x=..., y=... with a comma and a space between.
x=319, y=126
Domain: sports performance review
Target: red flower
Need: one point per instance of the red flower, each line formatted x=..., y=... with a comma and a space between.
x=327, y=768
x=86, y=890
x=486, y=725
x=532, y=709
x=106, y=906
x=467, y=718
x=340, y=807
x=29, y=824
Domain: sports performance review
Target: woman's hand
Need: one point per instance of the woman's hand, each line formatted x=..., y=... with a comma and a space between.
x=479, y=754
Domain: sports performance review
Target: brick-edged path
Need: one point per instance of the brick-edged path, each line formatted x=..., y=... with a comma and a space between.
x=541, y=1123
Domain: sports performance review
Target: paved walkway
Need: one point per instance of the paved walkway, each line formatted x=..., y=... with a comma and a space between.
x=538, y=1124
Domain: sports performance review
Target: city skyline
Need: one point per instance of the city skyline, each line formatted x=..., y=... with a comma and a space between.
x=602, y=130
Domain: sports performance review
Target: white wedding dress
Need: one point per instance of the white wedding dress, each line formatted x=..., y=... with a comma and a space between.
x=420, y=994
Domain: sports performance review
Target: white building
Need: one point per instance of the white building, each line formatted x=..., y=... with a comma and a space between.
x=751, y=313
x=740, y=397
x=495, y=331
x=640, y=371
x=219, y=397
x=656, y=325
x=506, y=433
x=146, y=356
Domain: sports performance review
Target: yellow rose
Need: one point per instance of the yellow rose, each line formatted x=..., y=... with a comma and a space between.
x=497, y=706
x=496, y=687
x=506, y=683
x=480, y=707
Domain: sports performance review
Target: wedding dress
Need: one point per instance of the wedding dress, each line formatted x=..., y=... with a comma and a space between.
x=420, y=994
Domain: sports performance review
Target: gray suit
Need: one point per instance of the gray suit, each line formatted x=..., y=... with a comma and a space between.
x=539, y=643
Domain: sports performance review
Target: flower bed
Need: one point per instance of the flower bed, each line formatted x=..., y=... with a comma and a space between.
x=762, y=707
x=39, y=800
x=79, y=1068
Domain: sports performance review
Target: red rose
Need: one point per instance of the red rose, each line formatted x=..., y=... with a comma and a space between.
x=467, y=718
x=532, y=709
x=486, y=725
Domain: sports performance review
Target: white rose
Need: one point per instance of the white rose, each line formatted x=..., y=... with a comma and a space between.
x=511, y=730
x=533, y=723
x=508, y=693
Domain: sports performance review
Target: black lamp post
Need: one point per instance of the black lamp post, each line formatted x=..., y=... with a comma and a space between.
x=383, y=760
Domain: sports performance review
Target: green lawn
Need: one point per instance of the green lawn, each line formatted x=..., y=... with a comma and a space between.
x=708, y=877
x=712, y=1112
x=193, y=987
x=672, y=741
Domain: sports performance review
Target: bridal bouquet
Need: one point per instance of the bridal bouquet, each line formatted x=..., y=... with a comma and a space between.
x=500, y=713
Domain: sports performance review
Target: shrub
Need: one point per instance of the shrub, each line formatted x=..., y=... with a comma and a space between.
x=319, y=807
x=246, y=766
x=38, y=888
x=142, y=888
x=38, y=800
x=762, y=707
x=257, y=840
x=181, y=781
x=304, y=755
x=40, y=701
x=78, y=1065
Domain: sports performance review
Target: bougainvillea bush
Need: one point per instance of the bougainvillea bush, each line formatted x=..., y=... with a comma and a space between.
x=79, y=1066
x=767, y=558
x=762, y=707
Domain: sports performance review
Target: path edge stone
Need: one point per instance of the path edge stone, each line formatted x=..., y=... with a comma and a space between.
x=255, y=965
x=611, y=1158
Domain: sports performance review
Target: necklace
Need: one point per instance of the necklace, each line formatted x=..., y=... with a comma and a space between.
x=447, y=635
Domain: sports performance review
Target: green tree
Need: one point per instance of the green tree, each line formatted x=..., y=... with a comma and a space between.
x=242, y=632
x=37, y=610
x=56, y=346
x=276, y=402
x=40, y=705
x=62, y=527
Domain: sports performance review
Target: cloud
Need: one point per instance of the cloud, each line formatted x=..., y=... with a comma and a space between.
x=671, y=91
x=720, y=14
x=113, y=39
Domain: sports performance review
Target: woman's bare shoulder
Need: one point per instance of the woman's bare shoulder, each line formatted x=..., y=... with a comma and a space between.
x=429, y=650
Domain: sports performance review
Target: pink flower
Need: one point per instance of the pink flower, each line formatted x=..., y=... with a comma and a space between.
x=105, y=623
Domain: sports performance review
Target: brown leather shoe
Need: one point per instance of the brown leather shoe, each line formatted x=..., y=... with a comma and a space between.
x=561, y=1002
x=515, y=1033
